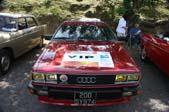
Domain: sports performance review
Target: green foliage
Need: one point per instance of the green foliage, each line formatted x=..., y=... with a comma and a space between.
x=138, y=4
x=120, y=10
x=40, y=8
x=150, y=9
x=127, y=5
x=108, y=9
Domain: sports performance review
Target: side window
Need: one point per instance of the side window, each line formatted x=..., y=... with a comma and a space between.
x=8, y=24
x=22, y=24
x=31, y=22
x=2, y=22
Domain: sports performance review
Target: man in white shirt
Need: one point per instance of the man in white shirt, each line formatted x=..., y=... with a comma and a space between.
x=122, y=28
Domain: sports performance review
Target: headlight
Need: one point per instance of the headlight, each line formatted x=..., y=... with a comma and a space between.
x=51, y=77
x=38, y=77
x=133, y=77
x=126, y=78
x=121, y=78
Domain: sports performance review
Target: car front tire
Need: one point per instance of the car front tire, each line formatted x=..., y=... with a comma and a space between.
x=5, y=62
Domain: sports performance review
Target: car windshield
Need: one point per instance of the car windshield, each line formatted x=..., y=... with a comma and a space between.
x=7, y=24
x=87, y=32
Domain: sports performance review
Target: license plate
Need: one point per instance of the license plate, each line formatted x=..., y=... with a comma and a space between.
x=85, y=98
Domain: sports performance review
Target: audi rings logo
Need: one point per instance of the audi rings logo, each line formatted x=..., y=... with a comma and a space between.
x=86, y=80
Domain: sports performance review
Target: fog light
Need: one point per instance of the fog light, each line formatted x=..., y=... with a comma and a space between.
x=127, y=93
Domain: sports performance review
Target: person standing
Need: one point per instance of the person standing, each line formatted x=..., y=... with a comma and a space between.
x=135, y=34
x=121, y=29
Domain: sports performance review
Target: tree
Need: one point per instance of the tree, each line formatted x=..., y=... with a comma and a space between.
x=136, y=5
x=1, y=5
x=1, y=2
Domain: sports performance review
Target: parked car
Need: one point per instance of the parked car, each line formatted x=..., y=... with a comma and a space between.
x=156, y=48
x=18, y=34
x=84, y=65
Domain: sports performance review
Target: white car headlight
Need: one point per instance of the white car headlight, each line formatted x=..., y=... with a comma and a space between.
x=133, y=77
x=51, y=77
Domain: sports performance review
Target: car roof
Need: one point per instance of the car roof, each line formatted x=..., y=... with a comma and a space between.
x=15, y=15
x=85, y=22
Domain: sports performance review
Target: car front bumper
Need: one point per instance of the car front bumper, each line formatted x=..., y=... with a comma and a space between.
x=65, y=96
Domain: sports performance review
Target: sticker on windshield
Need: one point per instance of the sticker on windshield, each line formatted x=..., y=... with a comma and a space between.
x=87, y=59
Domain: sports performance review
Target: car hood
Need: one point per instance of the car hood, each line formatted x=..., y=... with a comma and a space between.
x=85, y=56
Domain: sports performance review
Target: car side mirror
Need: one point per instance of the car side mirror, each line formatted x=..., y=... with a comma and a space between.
x=166, y=39
x=158, y=35
x=47, y=37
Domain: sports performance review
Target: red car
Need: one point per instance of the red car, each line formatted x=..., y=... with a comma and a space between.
x=156, y=48
x=84, y=65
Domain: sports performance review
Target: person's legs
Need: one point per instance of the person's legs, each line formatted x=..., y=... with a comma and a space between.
x=121, y=37
x=134, y=41
x=137, y=39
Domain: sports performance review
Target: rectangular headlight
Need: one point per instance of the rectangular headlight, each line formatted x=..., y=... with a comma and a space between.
x=52, y=77
x=121, y=78
x=133, y=77
x=126, y=78
x=38, y=77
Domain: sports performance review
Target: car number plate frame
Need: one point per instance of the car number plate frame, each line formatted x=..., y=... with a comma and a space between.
x=85, y=98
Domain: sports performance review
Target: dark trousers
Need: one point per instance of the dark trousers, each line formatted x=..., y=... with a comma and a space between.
x=122, y=38
x=135, y=40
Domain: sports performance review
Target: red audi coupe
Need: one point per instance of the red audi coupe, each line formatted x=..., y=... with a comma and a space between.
x=84, y=65
x=156, y=48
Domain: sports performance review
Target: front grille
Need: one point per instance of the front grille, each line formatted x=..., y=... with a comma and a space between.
x=97, y=79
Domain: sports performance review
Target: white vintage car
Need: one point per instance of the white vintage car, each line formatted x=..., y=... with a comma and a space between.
x=18, y=34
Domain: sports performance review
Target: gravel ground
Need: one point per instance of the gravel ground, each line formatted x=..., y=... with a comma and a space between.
x=14, y=96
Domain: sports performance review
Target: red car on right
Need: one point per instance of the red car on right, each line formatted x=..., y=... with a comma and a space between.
x=156, y=48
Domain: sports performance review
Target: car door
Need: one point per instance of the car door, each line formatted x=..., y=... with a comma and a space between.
x=164, y=54
x=19, y=38
x=35, y=32
x=154, y=45
x=160, y=53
